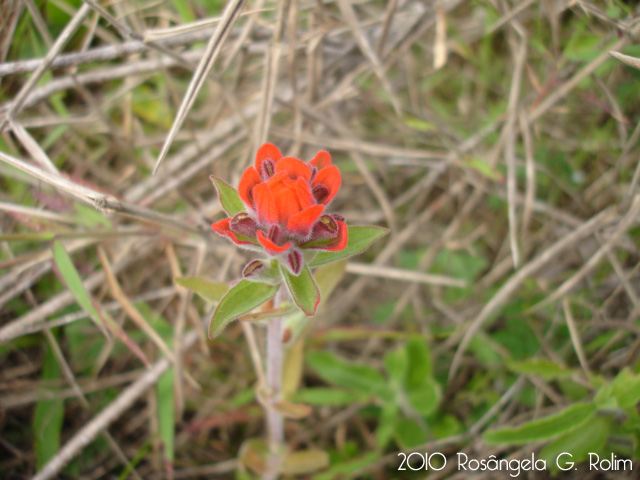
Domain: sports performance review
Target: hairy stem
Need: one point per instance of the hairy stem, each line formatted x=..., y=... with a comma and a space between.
x=275, y=421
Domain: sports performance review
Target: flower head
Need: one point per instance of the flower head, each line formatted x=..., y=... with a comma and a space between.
x=286, y=200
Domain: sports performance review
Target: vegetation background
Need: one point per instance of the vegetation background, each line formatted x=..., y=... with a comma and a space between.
x=497, y=139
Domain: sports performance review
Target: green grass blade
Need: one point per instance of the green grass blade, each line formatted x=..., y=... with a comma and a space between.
x=48, y=416
x=74, y=282
x=164, y=392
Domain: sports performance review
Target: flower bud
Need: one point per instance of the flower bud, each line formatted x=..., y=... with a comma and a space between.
x=259, y=271
x=295, y=261
x=243, y=224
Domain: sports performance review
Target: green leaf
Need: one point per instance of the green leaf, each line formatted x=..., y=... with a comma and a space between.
x=303, y=289
x=590, y=437
x=425, y=398
x=347, y=468
x=326, y=277
x=239, y=300
x=386, y=423
x=626, y=388
x=362, y=378
x=483, y=168
x=74, y=282
x=164, y=393
x=419, y=362
x=329, y=396
x=396, y=364
x=48, y=416
x=359, y=239
x=410, y=433
x=210, y=291
x=418, y=123
x=542, y=367
x=543, y=428
x=229, y=198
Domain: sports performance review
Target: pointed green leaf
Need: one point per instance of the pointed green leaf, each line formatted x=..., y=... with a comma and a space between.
x=303, y=289
x=48, y=415
x=587, y=438
x=74, y=282
x=387, y=423
x=539, y=366
x=166, y=423
x=543, y=428
x=395, y=362
x=320, y=396
x=360, y=238
x=326, y=277
x=229, y=198
x=241, y=299
x=362, y=378
x=626, y=388
x=419, y=361
x=349, y=468
x=211, y=291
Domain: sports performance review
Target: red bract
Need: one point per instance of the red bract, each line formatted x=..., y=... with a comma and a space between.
x=286, y=200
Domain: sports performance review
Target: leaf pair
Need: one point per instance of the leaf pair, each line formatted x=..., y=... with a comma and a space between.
x=247, y=295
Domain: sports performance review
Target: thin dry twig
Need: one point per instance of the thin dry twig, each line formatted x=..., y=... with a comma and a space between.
x=211, y=53
x=53, y=52
x=405, y=275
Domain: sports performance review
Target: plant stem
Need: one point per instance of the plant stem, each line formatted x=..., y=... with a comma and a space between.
x=275, y=421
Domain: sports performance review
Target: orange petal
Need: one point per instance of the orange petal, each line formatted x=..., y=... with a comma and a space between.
x=302, y=222
x=286, y=202
x=341, y=239
x=250, y=179
x=222, y=228
x=265, y=204
x=269, y=246
x=321, y=160
x=294, y=167
x=329, y=178
x=267, y=151
x=277, y=178
x=303, y=192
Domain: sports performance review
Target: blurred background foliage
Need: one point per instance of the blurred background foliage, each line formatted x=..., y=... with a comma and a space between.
x=496, y=138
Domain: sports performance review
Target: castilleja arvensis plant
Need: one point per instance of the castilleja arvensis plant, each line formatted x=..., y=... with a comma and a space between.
x=281, y=209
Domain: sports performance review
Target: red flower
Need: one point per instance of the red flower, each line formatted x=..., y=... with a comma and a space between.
x=286, y=200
